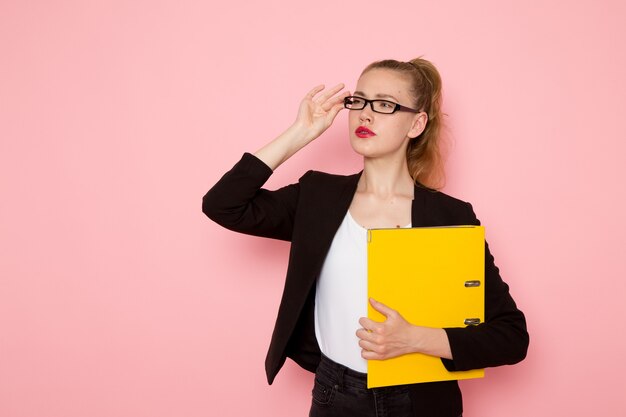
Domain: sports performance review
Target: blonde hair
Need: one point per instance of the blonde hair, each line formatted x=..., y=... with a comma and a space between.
x=423, y=152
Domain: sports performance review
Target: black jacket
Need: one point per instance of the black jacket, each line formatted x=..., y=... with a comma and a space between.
x=308, y=214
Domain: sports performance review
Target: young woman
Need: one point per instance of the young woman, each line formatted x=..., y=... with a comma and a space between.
x=394, y=124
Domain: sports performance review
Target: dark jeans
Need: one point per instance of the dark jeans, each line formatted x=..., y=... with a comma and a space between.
x=341, y=392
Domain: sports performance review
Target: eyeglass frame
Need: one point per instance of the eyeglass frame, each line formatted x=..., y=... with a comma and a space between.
x=398, y=107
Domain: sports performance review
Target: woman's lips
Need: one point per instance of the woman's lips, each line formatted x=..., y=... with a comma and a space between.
x=363, y=132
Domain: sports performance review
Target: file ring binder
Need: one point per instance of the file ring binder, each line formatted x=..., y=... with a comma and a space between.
x=472, y=322
x=474, y=283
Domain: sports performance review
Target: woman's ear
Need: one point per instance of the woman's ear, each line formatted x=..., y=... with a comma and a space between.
x=419, y=124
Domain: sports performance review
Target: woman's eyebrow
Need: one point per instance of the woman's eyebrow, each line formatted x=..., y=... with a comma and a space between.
x=361, y=93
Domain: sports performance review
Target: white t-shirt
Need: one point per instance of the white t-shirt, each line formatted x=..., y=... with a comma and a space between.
x=341, y=296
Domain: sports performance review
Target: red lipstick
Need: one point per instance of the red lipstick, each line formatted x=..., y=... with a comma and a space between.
x=363, y=132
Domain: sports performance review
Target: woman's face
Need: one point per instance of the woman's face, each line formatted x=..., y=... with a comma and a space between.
x=376, y=135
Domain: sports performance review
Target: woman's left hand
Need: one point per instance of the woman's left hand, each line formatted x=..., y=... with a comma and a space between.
x=395, y=336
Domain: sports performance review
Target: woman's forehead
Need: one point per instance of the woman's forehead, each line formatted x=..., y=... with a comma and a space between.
x=384, y=83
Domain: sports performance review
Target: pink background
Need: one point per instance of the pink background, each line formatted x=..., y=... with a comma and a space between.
x=119, y=298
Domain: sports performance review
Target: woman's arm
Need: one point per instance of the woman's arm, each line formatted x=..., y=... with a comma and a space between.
x=316, y=113
x=238, y=201
x=501, y=340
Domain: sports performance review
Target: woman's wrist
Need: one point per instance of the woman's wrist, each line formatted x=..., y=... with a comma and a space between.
x=431, y=341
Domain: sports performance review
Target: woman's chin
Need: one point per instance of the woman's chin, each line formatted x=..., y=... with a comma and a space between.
x=364, y=147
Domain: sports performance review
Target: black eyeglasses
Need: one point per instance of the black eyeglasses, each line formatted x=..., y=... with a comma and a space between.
x=379, y=106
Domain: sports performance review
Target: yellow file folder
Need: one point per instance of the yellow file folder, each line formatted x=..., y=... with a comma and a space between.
x=433, y=277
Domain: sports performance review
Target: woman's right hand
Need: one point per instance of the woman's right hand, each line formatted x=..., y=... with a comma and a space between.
x=318, y=111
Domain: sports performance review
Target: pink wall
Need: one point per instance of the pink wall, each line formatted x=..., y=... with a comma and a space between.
x=117, y=296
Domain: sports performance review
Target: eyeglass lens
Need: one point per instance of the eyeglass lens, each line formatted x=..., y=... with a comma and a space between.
x=380, y=106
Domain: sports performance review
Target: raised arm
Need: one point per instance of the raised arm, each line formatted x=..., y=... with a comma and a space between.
x=238, y=201
x=317, y=112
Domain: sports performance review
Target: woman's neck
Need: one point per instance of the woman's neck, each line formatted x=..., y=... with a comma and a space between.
x=386, y=179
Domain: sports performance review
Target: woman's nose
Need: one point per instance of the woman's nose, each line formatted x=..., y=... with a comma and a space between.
x=366, y=114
